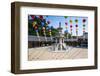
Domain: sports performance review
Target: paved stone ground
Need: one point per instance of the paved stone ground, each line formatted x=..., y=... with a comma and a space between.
x=42, y=53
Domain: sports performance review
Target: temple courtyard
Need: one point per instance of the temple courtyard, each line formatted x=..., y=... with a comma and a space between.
x=45, y=53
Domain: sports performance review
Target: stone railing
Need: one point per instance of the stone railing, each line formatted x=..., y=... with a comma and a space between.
x=35, y=38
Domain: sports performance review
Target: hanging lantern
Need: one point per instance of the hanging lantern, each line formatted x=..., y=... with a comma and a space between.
x=34, y=23
x=42, y=23
x=83, y=25
x=43, y=28
x=65, y=16
x=32, y=16
x=48, y=22
x=76, y=25
x=70, y=21
x=36, y=30
x=71, y=26
x=35, y=27
x=41, y=17
x=76, y=20
x=84, y=20
x=66, y=23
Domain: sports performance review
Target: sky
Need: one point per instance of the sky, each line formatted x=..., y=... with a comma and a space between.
x=54, y=21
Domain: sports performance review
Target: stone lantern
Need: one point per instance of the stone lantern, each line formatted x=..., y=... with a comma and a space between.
x=59, y=39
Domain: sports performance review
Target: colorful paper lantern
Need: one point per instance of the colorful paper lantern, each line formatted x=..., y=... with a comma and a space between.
x=76, y=25
x=48, y=22
x=41, y=17
x=84, y=20
x=36, y=30
x=66, y=23
x=34, y=23
x=35, y=27
x=42, y=23
x=70, y=21
x=32, y=16
x=43, y=28
x=71, y=26
x=76, y=20
x=65, y=16
x=83, y=25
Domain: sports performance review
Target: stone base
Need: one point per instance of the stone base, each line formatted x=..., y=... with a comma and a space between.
x=60, y=48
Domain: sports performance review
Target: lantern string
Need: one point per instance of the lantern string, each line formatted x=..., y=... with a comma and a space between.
x=44, y=33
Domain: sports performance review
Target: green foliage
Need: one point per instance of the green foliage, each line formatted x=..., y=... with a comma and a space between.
x=32, y=30
x=67, y=35
x=54, y=32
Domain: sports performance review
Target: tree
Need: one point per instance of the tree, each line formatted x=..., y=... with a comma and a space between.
x=37, y=23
